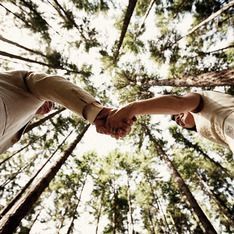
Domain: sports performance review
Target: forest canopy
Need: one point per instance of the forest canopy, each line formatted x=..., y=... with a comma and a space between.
x=158, y=179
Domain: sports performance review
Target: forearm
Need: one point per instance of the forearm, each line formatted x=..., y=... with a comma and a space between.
x=167, y=104
x=59, y=90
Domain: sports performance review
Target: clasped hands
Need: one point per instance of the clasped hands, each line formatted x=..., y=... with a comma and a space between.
x=114, y=122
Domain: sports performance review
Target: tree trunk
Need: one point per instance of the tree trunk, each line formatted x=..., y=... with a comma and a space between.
x=13, y=217
x=127, y=18
x=180, y=137
x=5, y=54
x=130, y=209
x=21, y=46
x=211, y=17
x=75, y=209
x=209, y=79
x=182, y=185
x=205, y=188
x=152, y=226
x=146, y=14
x=62, y=220
x=17, y=16
x=26, y=186
x=99, y=211
x=41, y=121
x=155, y=197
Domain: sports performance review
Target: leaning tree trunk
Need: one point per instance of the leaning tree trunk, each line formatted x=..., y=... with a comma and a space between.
x=21, y=46
x=222, y=207
x=29, y=128
x=127, y=18
x=28, y=184
x=6, y=54
x=187, y=143
x=211, y=17
x=184, y=189
x=43, y=120
x=100, y=210
x=130, y=208
x=156, y=200
x=69, y=230
x=12, y=218
x=209, y=79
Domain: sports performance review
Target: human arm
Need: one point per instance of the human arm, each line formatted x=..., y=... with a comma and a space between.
x=59, y=90
x=165, y=104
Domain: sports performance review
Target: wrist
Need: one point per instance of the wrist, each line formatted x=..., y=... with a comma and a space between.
x=132, y=109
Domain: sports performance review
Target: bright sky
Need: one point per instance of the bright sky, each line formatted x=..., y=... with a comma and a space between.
x=92, y=141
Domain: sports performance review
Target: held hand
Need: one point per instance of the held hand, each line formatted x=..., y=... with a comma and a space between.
x=121, y=118
x=101, y=126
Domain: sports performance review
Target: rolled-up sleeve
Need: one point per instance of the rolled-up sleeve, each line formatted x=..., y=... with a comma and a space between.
x=62, y=91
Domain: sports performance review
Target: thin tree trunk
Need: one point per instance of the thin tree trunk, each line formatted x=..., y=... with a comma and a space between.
x=18, y=151
x=127, y=18
x=158, y=204
x=205, y=188
x=26, y=186
x=182, y=185
x=76, y=207
x=209, y=79
x=211, y=17
x=34, y=221
x=21, y=46
x=146, y=14
x=13, y=217
x=41, y=121
x=17, y=16
x=198, y=149
x=130, y=209
x=15, y=174
x=29, y=128
x=5, y=54
x=215, y=51
x=66, y=16
x=114, y=221
x=150, y=216
x=62, y=220
x=99, y=211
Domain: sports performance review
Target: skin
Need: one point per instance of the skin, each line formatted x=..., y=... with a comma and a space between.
x=101, y=127
x=45, y=108
x=185, y=120
x=181, y=106
x=100, y=121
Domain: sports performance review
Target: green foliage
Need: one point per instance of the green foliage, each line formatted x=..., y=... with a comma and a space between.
x=128, y=190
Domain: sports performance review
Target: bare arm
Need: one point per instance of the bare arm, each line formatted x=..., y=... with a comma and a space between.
x=167, y=104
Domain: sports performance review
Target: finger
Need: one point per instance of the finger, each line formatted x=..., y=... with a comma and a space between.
x=131, y=121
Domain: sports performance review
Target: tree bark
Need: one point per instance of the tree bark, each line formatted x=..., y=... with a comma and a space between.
x=205, y=188
x=41, y=121
x=21, y=46
x=209, y=79
x=146, y=14
x=211, y=17
x=127, y=18
x=26, y=186
x=12, y=218
x=5, y=54
x=69, y=230
x=99, y=211
x=130, y=209
x=184, y=189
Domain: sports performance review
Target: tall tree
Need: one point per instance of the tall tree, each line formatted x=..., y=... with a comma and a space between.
x=184, y=188
x=12, y=218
